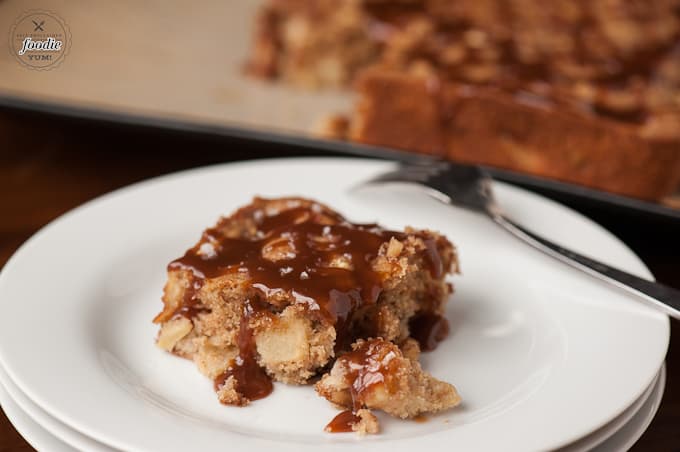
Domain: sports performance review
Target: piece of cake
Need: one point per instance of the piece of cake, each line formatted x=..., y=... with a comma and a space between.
x=281, y=287
x=580, y=91
x=376, y=374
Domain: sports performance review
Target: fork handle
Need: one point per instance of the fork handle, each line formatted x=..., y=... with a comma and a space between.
x=658, y=296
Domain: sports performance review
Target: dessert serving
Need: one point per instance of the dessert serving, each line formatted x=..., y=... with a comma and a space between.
x=288, y=290
x=584, y=92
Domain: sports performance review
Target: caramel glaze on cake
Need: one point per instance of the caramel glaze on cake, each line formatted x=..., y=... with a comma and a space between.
x=282, y=287
x=376, y=374
x=581, y=91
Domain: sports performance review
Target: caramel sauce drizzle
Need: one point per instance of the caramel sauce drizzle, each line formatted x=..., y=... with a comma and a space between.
x=317, y=256
x=369, y=365
x=428, y=329
x=343, y=422
x=251, y=381
x=306, y=251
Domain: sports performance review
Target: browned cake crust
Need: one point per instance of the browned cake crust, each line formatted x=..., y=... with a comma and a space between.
x=582, y=91
x=489, y=126
x=282, y=286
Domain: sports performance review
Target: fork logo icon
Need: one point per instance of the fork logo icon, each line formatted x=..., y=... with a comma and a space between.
x=40, y=40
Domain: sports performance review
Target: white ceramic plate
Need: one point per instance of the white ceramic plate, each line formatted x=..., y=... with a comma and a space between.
x=30, y=425
x=627, y=435
x=602, y=435
x=541, y=354
x=41, y=430
x=47, y=433
x=32, y=432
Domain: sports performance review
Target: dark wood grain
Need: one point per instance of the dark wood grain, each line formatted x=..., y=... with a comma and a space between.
x=49, y=165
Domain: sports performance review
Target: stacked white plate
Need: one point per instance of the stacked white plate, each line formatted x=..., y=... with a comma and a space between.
x=544, y=357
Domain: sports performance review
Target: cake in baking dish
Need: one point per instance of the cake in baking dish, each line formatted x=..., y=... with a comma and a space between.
x=586, y=92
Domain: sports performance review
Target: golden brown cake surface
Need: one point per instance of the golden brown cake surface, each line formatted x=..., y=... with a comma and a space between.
x=281, y=287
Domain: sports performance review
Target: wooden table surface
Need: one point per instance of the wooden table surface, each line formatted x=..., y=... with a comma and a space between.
x=48, y=165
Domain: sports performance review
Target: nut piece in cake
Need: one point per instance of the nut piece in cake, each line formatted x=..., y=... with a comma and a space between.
x=377, y=375
x=279, y=288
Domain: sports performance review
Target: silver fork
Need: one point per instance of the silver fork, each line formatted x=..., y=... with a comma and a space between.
x=470, y=187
